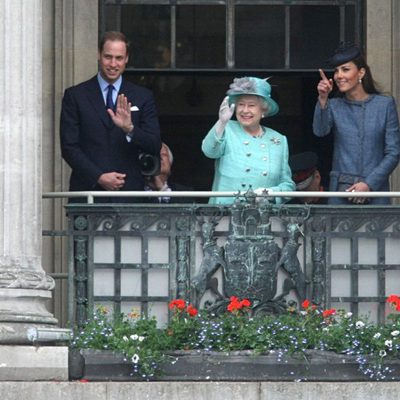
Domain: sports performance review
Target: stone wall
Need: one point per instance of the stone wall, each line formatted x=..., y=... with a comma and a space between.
x=198, y=391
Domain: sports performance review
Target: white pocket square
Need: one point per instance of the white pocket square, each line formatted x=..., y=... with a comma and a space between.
x=134, y=108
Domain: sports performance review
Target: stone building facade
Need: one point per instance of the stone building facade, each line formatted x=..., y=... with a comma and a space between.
x=54, y=47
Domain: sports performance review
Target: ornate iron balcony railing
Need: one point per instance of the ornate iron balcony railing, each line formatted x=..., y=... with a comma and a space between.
x=140, y=256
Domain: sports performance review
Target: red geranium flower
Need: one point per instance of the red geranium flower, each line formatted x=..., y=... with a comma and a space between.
x=192, y=311
x=178, y=304
x=245, y=303
x=237, y=304
x=395, y=301
x=306, y=303
x=234, y=304
x=328, y=313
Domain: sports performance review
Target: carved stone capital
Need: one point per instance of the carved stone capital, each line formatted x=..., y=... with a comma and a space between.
x=25, y=279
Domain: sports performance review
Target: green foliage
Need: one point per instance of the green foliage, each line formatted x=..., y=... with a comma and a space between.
x=292, y=333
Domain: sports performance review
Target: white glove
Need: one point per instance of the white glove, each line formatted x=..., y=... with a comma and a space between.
x=260, y=192
x=225, y=114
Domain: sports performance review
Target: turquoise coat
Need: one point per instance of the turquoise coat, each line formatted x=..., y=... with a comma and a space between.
x=243, y=161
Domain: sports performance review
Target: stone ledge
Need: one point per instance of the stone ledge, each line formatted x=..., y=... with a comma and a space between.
x=200, y=390
x=30, y=363
x=96, y=365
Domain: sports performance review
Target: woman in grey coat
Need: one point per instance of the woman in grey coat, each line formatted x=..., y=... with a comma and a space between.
x=365, y=126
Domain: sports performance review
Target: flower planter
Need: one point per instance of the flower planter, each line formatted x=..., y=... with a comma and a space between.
x=98, y=365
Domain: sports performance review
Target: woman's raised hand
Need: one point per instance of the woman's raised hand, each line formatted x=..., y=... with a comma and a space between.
x=324, y=87
x=225, y=110
x=225, y=114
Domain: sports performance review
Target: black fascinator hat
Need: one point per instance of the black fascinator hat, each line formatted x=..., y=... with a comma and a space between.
x=344, y=53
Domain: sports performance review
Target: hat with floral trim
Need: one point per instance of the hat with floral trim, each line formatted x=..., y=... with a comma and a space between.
x=253, y=86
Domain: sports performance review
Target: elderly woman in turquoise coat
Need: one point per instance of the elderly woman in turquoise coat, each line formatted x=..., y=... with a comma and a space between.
x=248, y=155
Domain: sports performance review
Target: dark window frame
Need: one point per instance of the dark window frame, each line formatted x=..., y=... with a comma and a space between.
x=230, y=8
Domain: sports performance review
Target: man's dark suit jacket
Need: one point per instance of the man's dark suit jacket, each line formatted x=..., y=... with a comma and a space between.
x=92, y=145
x=175, y=187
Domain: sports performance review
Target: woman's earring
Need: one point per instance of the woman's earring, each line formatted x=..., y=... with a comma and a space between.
x=360, y=80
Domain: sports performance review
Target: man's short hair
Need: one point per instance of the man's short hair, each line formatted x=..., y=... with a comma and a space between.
x=170, y=155
x=114, y=36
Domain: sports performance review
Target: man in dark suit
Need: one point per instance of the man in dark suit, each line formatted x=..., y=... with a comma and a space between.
x=105, y=128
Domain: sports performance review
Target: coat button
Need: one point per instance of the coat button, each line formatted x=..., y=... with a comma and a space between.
x=246, y=143
x=247, y=169
x=262, y=145
x=265, y=173
x=265, y=158
x=248, y=154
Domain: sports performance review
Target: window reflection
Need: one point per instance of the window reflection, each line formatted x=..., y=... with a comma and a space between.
x=260, y=33
x=314, y=34
x=200, y=32
x=260, y=36
x=149, y=30
x=350, y=27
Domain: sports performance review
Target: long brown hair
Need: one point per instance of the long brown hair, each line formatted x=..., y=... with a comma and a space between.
x=368, y=82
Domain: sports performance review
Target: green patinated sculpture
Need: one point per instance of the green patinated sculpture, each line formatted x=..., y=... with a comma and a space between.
x=251, y=258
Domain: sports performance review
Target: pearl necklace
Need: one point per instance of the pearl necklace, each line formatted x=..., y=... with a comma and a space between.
x=259, y=133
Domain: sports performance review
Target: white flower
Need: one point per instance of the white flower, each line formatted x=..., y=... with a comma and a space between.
x=377, y=335
x=135, y=358
x=388, y=343
x=125, y=338
x=349, y=314
x=141, y=338
x=360, y=324
x=303, y=312
x=395, y=333
x=382, y=353
x=134, y=337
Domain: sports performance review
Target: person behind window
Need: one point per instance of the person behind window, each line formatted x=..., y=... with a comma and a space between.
x=106, y=123
x=162, y=182
x=365, y=126
x=248, y=154
x=306, y=176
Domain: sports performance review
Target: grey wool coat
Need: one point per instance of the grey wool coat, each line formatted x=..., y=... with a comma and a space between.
x=366, y=140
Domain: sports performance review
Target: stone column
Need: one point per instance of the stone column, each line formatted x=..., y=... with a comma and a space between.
x=383, y=39
x=24, y=286
x=69, y=50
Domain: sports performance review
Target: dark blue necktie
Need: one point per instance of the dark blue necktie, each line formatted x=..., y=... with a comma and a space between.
x=109, y=100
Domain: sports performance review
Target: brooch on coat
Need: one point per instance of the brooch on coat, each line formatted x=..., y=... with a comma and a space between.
x=276, y=141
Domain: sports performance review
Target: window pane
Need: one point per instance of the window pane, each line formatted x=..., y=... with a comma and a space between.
x=350, y=26
x=148, y=29
x=314, y=35
x=200, y=34
x=260, y=37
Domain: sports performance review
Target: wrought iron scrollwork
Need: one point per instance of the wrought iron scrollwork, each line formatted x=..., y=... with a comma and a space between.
x=251, y=258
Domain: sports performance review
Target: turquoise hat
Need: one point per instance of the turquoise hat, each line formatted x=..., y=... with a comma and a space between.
x=253, y=86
